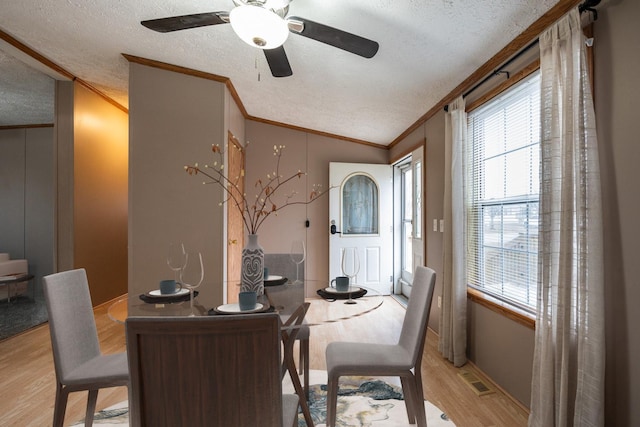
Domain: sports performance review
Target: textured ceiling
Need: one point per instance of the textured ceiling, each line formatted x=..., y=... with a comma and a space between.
x=26, y=95
x=427, y=48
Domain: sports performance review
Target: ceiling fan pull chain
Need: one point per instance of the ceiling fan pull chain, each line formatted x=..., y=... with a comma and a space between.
x=256, y=66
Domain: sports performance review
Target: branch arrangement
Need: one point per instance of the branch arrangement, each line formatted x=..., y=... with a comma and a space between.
x=266, y=202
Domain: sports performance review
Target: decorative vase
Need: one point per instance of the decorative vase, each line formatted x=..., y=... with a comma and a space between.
x=252, y=266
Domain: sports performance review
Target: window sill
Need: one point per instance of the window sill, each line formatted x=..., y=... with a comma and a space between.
x=500, y=307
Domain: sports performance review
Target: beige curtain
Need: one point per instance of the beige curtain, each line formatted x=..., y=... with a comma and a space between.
x=568, y=371
x=453, y=317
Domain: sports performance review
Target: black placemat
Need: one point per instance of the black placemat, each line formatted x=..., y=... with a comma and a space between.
x=276, y=282
x=332, y=296
x=168, y=299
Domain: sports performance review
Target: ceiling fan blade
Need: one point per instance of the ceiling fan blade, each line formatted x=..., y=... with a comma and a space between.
x=175, y=23
x=334, y=37
x=278, y=62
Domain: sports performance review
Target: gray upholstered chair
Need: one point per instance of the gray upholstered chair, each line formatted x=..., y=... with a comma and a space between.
x=402, y=359
x=78, y=361
x=282, y=265
x=207, y=371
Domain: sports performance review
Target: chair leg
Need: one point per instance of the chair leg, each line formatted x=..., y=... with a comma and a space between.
x=414, y=399
x=418, y=377
x=60, y=406
x=304, y=353
x=300, y=358
x=421, y=416
x=409, y=391
x=91, y=407
x=332, y=400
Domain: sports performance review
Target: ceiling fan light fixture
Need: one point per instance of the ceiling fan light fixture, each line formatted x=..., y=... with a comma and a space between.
x=259, y=27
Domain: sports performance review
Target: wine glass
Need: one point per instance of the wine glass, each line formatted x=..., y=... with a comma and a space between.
x=192, y=274
x=350, y=268
x=176, y=258
x=298, y=254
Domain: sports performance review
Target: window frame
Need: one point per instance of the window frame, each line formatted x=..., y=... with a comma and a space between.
x=406, y=223
x=520, y=314
x=375, y=205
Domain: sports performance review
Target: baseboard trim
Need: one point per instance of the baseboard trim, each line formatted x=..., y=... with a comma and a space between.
x=486, y=377
x=498, y=387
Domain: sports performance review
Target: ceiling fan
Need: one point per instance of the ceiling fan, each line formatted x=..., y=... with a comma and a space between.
x=264, y=24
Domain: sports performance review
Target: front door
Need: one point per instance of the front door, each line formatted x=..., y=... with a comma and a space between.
x=362, y=212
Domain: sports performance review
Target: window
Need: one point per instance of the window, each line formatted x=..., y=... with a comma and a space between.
x=359, y=205
x=503, y=180
x=407, y=220
x=417, y=196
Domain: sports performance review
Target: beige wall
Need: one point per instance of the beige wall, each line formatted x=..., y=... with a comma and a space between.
x=100, y=193
x=312, y=153
x=64, y=123
x=173, y=120
x=617, y=67
x=235, y=121
x=434, y=209
x=91, y=182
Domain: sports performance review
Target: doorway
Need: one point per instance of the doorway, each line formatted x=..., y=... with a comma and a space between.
x=361, y=216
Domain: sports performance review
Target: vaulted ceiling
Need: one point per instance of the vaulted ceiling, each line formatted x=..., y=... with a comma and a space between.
x=428, y=48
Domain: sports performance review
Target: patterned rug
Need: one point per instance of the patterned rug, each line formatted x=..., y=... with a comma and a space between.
x=362, y=402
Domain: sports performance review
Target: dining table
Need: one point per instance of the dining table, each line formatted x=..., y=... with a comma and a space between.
x=328, y=306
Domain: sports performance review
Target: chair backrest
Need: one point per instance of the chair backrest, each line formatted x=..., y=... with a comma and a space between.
x=286, y=298
x=205, y=370
x=74, y=337
x=414, y=327
x=282, y=265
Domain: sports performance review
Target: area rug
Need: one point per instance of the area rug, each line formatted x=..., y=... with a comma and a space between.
x=362, y=402
x=20, y=314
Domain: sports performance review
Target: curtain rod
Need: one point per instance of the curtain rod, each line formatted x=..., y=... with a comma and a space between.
x=587, y=6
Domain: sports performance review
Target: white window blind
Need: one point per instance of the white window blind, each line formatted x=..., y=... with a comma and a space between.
x=503, y=180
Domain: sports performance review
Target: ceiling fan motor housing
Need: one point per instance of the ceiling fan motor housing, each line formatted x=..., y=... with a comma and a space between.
x=279, y=7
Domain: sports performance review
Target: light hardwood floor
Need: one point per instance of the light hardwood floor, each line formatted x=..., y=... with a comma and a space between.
x=28, y=380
